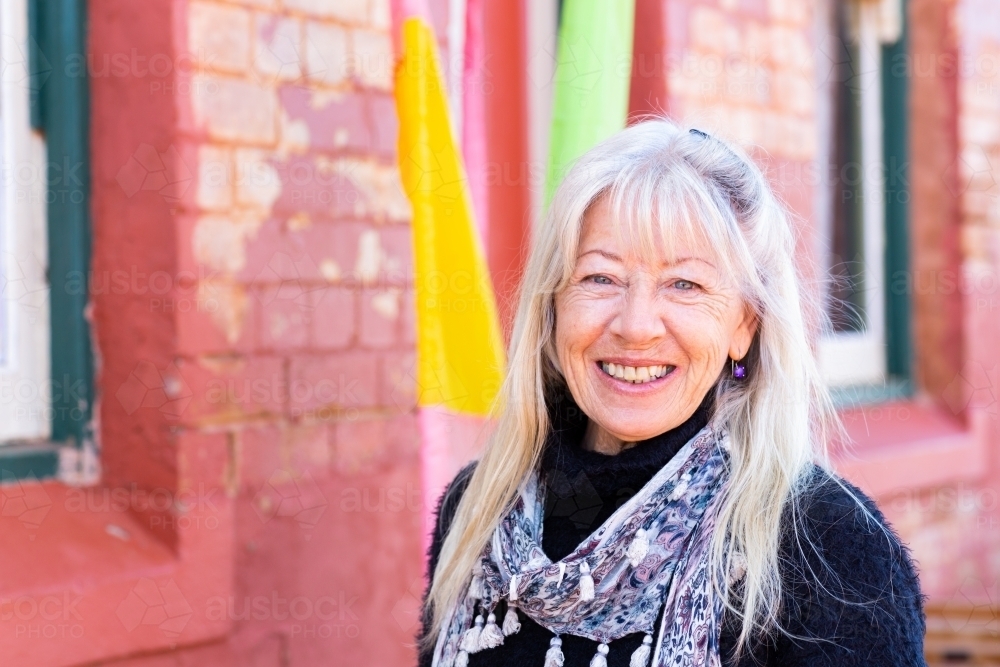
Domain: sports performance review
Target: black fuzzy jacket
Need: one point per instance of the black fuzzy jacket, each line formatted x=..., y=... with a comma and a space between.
x=863, y=607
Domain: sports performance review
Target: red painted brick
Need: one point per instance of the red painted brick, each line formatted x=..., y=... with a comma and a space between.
x=380, y=317
x=408, y=318
x=213, y=318
x=285, y=312
x=336, y=381
x=203, y=460
x=259, y=451
x=282, y=449
x=399, y=385
x=333, y=318
x=367, y=445
x=335, y=121
x=227, y=389
x=352, y=252
x=385, y=123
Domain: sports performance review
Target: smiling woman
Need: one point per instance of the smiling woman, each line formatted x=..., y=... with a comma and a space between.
x=641, y=342
x=644, y=500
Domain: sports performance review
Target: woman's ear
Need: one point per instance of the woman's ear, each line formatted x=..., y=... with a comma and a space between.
x=743, y=336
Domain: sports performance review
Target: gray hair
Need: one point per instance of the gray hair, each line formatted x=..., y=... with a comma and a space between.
x=663, y=182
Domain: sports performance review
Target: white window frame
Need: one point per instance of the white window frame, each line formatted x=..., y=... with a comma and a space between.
x=25, y=383
x=859, y=358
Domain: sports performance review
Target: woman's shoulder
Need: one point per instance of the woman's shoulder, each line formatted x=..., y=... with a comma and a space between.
x=849, y=580
x=839, y=530
x=447, y=505
x=836, y=516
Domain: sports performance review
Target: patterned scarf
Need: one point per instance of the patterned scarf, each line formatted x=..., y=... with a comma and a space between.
x=651, y=554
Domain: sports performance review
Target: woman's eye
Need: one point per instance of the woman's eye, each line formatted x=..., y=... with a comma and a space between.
x=601, y=280
x=684, y=285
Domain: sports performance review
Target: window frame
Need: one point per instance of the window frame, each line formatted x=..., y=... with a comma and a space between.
x=875, y=364
x=24, y=333
x=59, y=110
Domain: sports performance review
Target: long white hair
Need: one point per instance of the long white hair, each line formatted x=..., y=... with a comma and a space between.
x=664, y=182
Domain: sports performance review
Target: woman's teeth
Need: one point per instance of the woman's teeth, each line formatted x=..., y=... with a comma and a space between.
x=635, y=374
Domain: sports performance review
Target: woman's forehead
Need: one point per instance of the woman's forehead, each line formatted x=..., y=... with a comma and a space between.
x=612, y=235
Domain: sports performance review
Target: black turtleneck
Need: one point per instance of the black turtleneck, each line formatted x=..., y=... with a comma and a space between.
x=585, y=487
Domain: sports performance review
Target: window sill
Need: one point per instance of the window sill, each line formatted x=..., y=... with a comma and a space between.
x=87, y=584
x=28, y=460
x=900, y=446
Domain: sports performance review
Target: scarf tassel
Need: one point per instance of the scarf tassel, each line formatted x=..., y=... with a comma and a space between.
x=511, y=623
x=638, y=548
x=640, y=657
x=476, y=591
x=470, y=640
x=554, y=656
x=600, y=658
x=462, y=659
x=586, y=583
x=491, y=636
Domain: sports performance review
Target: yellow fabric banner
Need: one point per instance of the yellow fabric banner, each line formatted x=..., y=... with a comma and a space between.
x=459, y=347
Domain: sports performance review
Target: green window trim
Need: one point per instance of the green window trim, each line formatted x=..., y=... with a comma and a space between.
x=60, y=106
x=895, y=131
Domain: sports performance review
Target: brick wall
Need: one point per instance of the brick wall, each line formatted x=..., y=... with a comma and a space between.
x=255, y=179
x=286, y=341
x=299, y=220
x=954, y=529
x=756, y=72
x=748, y=71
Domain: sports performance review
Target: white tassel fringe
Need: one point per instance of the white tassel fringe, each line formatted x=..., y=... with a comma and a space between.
x=554, y=656
x=476, y=587
x=491, y=636
x=462, y=659
x=470, y=640
x=586, y=583
x=682, y=487
x=640, y=656
x=600, y=658
x=638, y=548
x=511, y=623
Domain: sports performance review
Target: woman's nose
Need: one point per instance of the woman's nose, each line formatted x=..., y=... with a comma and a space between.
x=639, y=320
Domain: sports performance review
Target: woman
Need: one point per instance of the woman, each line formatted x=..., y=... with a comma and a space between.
x=650, y=495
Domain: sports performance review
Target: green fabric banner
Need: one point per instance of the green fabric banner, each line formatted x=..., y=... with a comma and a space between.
x=593, y=71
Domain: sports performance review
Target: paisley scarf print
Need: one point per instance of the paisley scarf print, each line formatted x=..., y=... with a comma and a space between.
x=671, y=519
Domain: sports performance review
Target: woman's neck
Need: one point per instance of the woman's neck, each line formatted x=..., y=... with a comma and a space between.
x=597, y=439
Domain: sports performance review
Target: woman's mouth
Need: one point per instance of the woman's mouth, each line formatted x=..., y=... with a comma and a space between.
x=635, y=374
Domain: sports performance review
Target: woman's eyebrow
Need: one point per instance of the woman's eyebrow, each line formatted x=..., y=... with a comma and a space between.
x=615, y=258
x=681, y=260
x=604, y=253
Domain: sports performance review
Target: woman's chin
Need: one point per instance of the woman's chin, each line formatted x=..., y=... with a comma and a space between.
x=635, y=430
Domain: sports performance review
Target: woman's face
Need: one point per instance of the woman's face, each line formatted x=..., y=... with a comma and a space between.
x=640, y=343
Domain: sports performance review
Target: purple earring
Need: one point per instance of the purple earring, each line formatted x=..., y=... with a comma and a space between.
x=738, y=369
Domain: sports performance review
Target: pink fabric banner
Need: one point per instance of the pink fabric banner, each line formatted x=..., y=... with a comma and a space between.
x=474, y=81
x=448, y=442
x=402, y=10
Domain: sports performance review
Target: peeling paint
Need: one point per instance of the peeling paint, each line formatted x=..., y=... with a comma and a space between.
x=370, y=256
x=330, y=270
x=295, y=136
x=386, y=304
x=299, y=221
x=380, y=187
x=219, y=241
x=259, y=181
x=226, y=303
x=319, y=99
